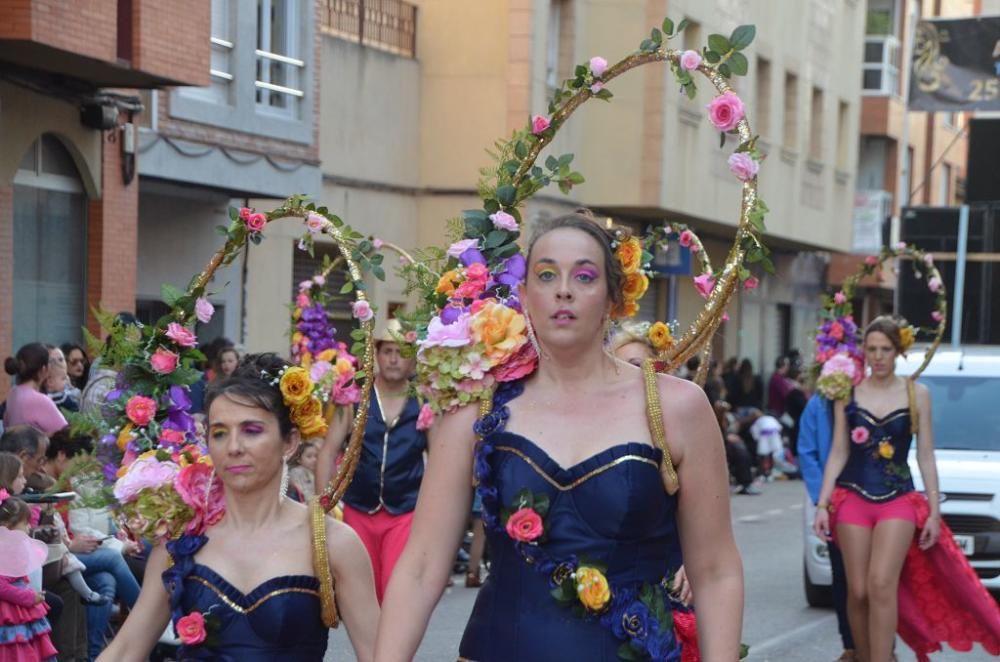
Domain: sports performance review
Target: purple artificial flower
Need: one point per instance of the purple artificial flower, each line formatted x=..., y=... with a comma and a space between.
x=513, y=271
x=472, y=256
x=178, y=419
x=450, y=314
x=113, y=394
x=179, y=399
x=110, y=472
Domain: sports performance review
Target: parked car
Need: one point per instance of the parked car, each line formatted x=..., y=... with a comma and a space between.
x=965, y=392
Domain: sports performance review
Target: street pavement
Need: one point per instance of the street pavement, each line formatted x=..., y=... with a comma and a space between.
x=778, y=625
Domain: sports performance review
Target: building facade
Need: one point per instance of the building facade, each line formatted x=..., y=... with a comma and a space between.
x=69, y=75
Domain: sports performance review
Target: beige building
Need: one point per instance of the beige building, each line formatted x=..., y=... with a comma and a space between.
x=403, y=133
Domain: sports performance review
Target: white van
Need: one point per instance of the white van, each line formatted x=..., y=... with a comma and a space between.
x=965, y=392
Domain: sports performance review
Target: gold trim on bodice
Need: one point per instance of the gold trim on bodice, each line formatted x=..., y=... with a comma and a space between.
x=582, y=479
x=249, y=610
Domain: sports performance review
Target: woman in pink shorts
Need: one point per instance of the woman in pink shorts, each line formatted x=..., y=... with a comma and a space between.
x=875, y=520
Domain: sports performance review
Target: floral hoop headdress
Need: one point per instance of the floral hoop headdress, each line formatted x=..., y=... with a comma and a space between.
x=472, y=332
x=839, y=359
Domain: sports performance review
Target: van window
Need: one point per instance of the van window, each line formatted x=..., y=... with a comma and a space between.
x=966, y=415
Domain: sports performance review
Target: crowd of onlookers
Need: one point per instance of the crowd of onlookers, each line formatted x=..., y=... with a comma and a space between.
x=94, y=569
x=759, y=424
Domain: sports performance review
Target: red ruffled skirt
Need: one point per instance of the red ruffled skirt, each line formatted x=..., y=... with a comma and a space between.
x=941, y=600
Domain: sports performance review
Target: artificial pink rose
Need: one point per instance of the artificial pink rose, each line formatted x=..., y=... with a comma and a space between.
x=410, y=337
x=470, y=289
x=362, y=310
x=346, y=391
x=245, y=214
x=172, y=437
x=538, y=124
x=203, y=310
x=459, y=247
x=521, y=364
x=525, y=525
x=377, y=243
x=686, y=238
x=319, y=369
x=690, y=60
x=140, y=409
x=743, y=166
x=181, y=335
x=871, y=260
x=305, y=285
x=726, y=111
x=837, y=331
x=302, y=300
x=440, y=334
x=598, y=65
x=319, y=279
x=144, y=473
x=596, y=87
x=163, y=361
x=859, y=435
x=315, y=222
x=704, y=284
x=824, y=355
x=207, y=501
x=937, y=316
x=934, y=284
x=859, y=370
x=751, y=283
x=426, y=418
x=504, y=221
x=191, y=629
x=477, y=271
x=840, y=298
x=256, y=222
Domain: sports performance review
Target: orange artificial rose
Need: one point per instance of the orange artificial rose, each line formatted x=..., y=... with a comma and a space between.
x=660, y=337
x=592, y=588
x=630, y=255
x=448, y=281
x=500, y=329
x=305, y=412
x=296, y=387
x=635, y=286
x=627, y=309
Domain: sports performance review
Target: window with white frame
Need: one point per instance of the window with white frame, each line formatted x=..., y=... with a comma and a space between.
x=280, y=69
x=220, y=68
x=880, y=74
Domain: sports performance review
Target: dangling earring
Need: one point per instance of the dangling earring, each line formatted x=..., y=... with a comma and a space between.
x=284, y=480
x=532, y=338
x=208, y=487
x=607, y=344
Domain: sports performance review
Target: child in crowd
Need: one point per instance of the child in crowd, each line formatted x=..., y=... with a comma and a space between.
x=24, y=630
x=12, y=481
x=302, y=469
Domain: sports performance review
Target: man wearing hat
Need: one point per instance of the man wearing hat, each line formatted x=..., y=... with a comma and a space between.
x=379, y=503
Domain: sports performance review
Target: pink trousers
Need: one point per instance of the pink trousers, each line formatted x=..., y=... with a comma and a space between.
x=384, y=536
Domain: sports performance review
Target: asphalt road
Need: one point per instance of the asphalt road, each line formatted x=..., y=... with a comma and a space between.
x=777, y=623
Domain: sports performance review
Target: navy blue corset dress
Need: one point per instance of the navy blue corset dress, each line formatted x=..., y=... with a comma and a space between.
x=278, y=620
x=877, y=466
x=611, y=511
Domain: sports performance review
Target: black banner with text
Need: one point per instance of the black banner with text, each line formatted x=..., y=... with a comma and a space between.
x=956, y=65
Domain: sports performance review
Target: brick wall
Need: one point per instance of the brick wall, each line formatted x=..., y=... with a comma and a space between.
x=6, y=278
x=171, y=39
x=85, y=27
x=112, y=239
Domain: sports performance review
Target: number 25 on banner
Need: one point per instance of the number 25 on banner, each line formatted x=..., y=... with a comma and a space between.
x=984, y=89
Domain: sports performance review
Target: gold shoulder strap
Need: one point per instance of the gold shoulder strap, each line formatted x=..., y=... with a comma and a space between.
x=321, y=563
x=911, y=394
x=654, y=413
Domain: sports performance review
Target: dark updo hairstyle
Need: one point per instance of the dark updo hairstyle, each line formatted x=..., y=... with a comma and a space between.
x=68, y=444
x=889, y=327
x=247, y=386
x=14, y=512
x=583, y=221
x=28, y=363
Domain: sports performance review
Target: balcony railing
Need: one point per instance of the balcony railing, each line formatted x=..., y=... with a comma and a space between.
x=881, y=67
x=388, y=25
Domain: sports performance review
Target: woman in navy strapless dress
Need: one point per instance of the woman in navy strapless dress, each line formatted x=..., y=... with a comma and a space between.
x=259, y=584
x=580, y=494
